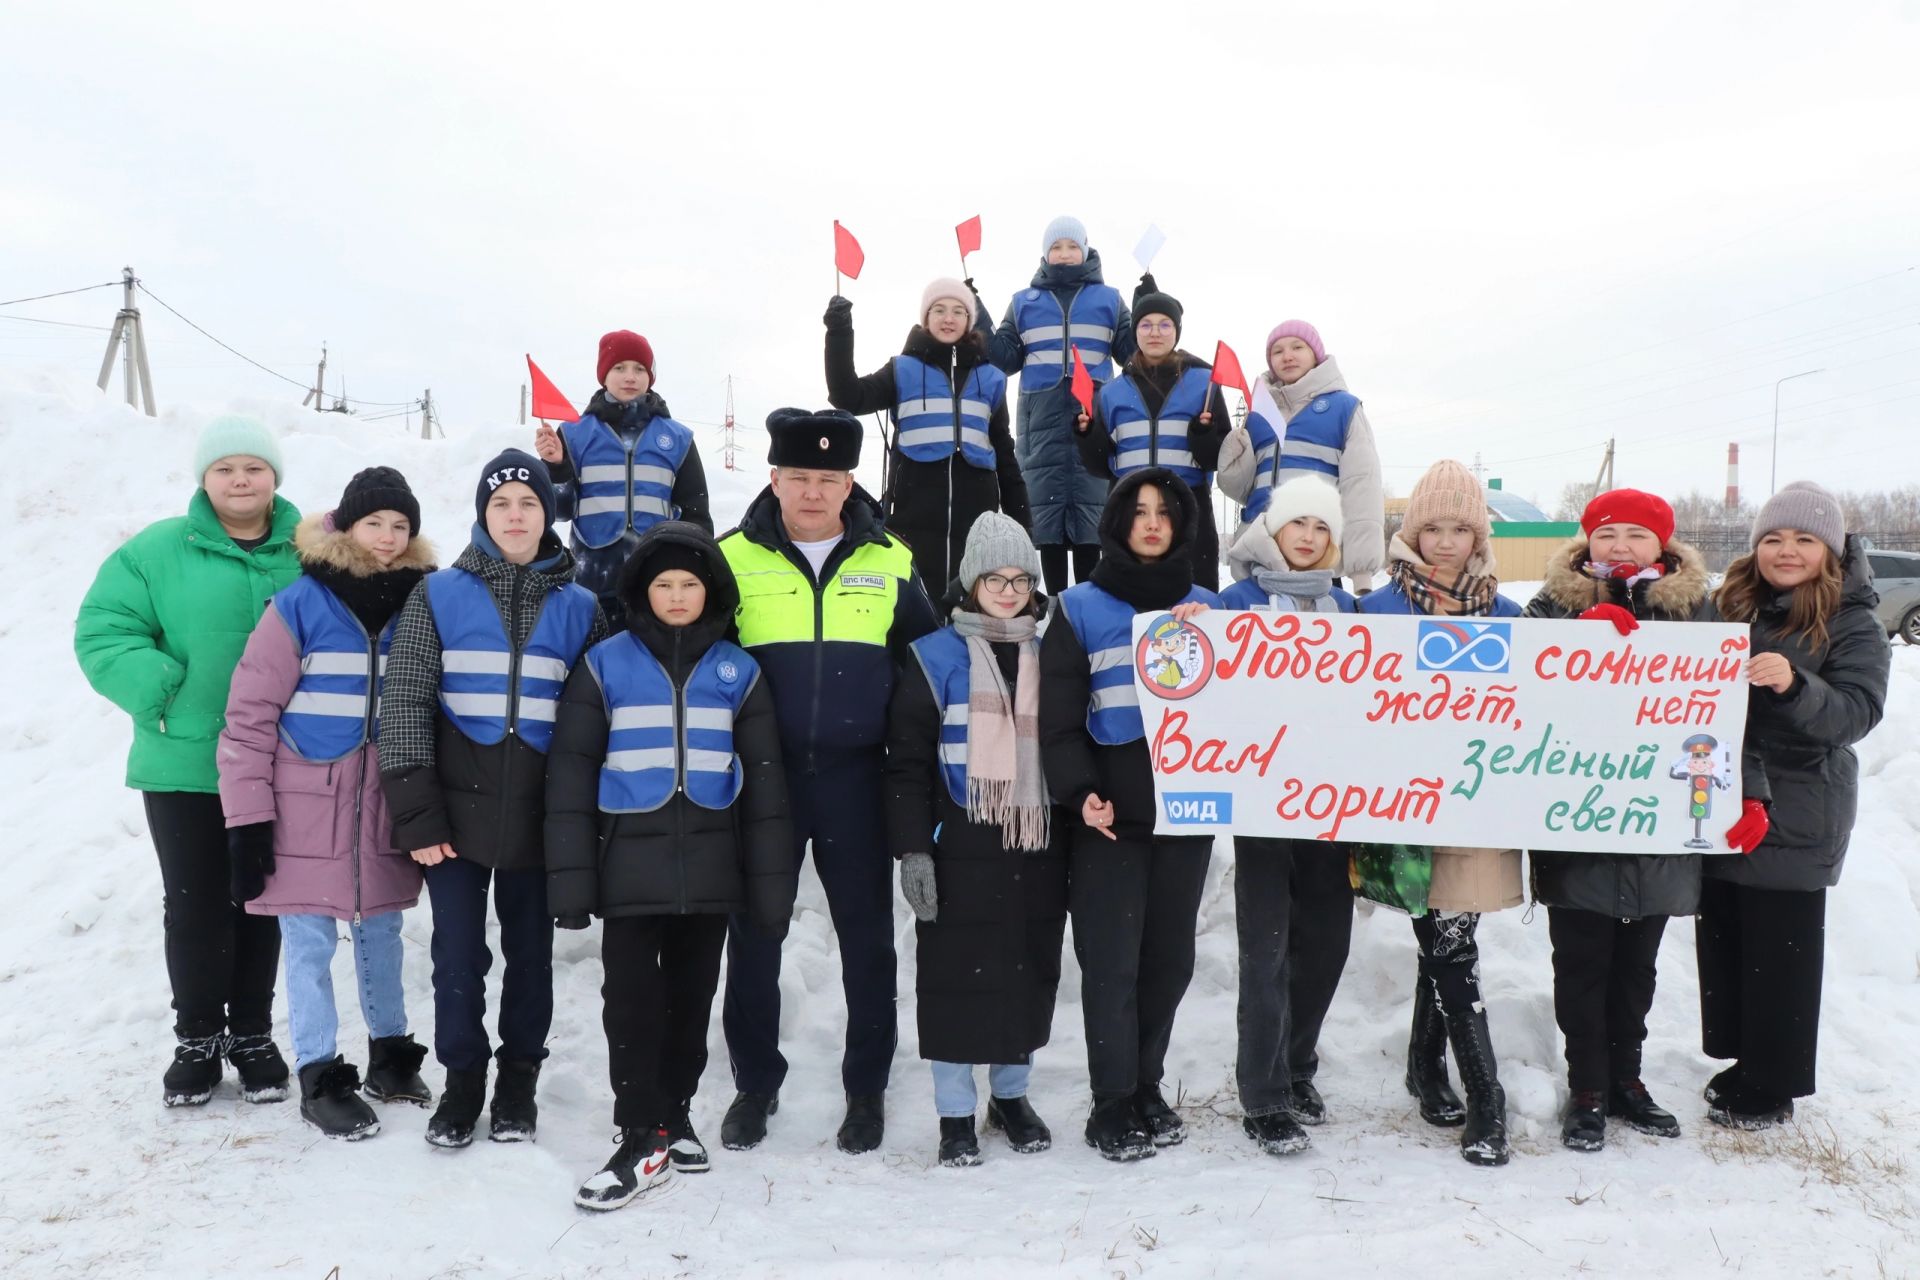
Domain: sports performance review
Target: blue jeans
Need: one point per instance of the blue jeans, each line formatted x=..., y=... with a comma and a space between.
x=308, y=943
x=954, y=1094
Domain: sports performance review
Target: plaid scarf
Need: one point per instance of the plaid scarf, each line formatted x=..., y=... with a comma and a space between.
x=1441, y=591
x=1006, y=783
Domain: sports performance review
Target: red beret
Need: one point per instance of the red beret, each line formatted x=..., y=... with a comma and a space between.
x=624, y=344
x=1630, y=506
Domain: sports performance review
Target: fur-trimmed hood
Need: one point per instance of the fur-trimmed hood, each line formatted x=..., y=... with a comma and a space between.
x=1676, y=595
x=321, y=545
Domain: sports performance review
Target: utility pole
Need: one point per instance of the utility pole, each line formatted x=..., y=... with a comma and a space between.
x=523, y=404
x=1773, y=473
x=318, y=396
x=129, y=341
x=426, y=415
x=1603, y=481
x=728, y=444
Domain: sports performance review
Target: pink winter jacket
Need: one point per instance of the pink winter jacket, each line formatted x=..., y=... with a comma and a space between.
x=323, y=865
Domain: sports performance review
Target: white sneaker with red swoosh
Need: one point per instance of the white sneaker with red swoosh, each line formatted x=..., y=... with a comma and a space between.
x=639, y=1163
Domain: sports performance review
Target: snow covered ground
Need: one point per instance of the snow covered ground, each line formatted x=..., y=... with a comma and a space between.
x=97, y=1179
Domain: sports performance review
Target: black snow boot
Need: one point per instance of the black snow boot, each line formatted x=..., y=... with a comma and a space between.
x=461, y=1098
x=684, y=1148
x=194, y=1071
x=1723, y=1082
x=514, y=1114
x=330, y=1100
x=959, y=1146
x=1427, y=1060
x=1162, y=1121
x=744, y=1127
x=865, y=1125
x=1307, y=1105
x=256, y=1060
x=1115, y=1129
x=1631, y=1102
x=1026, y=1132
x=1584, y=1127
x=393, y=1071
x=639, y=1162
x=1744, y=1106
x=1484, y=1139
x=1278, y=1134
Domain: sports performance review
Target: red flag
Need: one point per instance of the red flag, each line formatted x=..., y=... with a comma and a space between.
x=548, y=403
x=969, y=233
x=1226, y=370
x=847, y=257
x=1082, y=383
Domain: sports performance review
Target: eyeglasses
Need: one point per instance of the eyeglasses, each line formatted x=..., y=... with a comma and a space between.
x=1022, y=584
x=1156, y=326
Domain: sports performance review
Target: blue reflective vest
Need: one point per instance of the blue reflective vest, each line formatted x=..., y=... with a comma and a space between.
x=617, y=488
x=661, y=739
x=1315, y=441
x=1103, y=624
x=1141, y=439
x=488, y=688
x=1048, y=326
x=943, y=658
x=930, y=419
x=333, y=712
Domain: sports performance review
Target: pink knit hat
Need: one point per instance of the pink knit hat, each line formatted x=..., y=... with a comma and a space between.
x=1448, y=491
x=948, y=287
x=1302, y=330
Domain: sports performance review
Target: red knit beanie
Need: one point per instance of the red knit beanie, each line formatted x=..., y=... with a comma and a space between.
x=1630, y=506
x=624, y=344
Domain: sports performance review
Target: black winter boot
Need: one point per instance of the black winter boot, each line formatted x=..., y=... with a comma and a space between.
x=959, y=1146
x=639, y=1162
x=744, y=1127
x=1745, y=1106
x=1162, y=1121
x=1427, y=1060
x=1026, y=1132
x=1484, y=1139
x=865, y=1125
x=1278, y=1134
x=1724, y=1081
x=1584, y=1127
x=514, y=1114
x=684, y=1148
x=256, y=1060
x=393, y=1071
x=1115, y=1128
x=330, y=1100
x=1307, y=1105
x=1631, y=1102
x=194, y=1071
x=454, y=1119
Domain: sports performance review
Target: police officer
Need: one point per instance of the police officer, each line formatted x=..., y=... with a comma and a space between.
x=829, y=602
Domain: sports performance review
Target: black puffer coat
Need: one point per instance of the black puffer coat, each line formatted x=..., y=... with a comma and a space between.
x=1626, y=886
x=1805, y=736
x=989, y=966
x=680, y=859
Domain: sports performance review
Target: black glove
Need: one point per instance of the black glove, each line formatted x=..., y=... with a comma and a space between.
x=971, y=288
x=249, y=860
x=839, y=313
x=573, y=920
x=1145, y=287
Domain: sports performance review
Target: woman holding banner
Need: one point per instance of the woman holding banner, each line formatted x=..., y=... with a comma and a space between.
x=1134, y=896
x=1442, y=565
x=1819, y=676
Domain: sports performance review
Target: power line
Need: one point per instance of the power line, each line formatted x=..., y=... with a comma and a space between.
x=14, y=302
x=64, y=324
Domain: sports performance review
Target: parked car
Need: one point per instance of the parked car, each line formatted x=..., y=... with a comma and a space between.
x=1896, y=576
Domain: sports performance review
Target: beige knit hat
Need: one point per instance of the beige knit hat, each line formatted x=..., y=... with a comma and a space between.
x=1448, y=491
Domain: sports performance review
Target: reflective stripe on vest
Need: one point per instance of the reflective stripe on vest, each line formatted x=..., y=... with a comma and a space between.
x=482, y=681
x=648, y=757
x=615, y=492
x=1142, y=440
x=331, y=714
x=1104, y=626
x=928, y=421
x=1045, y=329
x=944, y=660
x=1315, y=441
x=856, y=599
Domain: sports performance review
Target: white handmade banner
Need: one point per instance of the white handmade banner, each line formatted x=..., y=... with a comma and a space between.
x=1513, y=733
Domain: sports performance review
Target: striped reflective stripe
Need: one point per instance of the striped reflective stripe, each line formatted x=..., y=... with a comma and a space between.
x=640, y=718
x=1095, y=332
x=484, y=662
x=1107, y=659
x=636, y=759
x=1042, y=333
x=1136, y=455
x=1120, y=695
x=1047, y=357
x=914, y=437
x=533, y=667
x=954, y=717
x=351, y=705
x=720, y=718
x=943, y=406
x=653, y=475
x=476, y=704
x=537, y=708
x=604, y=473
x=336, y=664
x=1314, y=452
x=647, y=504
x=601, y=506
x=699, y=761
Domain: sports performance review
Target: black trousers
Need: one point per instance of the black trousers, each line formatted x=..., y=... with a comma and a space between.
x=839, y=810
x=457, y=890
x=1762, y=956
x=657, y=998
x=1134, y=903
x=1294, y=909
x=1053, y=565
x=1603, y=980
x=221, y=961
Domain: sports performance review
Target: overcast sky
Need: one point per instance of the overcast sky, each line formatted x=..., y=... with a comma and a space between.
x=1521, y=228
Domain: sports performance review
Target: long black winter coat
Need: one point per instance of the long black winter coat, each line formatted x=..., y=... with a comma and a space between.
x=488, y=802
x=989, y=965
x=1805, y=737
x=931, y=505
x=680, y=859
x=1626, y=886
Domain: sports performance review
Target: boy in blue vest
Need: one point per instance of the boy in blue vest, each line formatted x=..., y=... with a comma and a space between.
x=666, y=811
x=480, y=654
x=622, y=468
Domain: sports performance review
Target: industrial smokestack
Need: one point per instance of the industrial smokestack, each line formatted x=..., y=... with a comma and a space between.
x=1733, y=476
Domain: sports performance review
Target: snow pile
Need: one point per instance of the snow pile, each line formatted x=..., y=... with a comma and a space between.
x=97, y=1177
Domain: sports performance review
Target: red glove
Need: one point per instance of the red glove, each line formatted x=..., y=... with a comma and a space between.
x=1623, y=621
x=1745, y=835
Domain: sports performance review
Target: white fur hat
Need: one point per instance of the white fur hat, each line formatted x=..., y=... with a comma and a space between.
x=1304, y=496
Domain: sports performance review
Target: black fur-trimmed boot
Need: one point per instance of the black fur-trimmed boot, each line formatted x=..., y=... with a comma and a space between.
x=393, y=1071
x=330, y=1100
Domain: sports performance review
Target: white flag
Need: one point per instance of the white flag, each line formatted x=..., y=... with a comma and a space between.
x=1149, y=247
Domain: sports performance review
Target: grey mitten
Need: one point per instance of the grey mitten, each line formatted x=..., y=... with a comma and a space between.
x=917, y=886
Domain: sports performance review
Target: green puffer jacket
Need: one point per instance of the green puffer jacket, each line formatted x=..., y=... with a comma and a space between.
x=163, y=626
